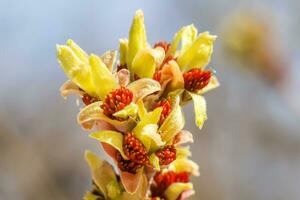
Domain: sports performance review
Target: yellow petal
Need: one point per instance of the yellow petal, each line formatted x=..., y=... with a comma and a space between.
x=137, y=37
x=143, y=87
x=184, y=59
x=146, y=61
x=123, y=49
x=186, y=35
x=173, y=124
x=76, y=68
x=199, y=108
x=113, y=138
x=102, y=78
x=175, y=189
x=109, y=59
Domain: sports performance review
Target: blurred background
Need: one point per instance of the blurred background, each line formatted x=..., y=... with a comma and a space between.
x=248, y=149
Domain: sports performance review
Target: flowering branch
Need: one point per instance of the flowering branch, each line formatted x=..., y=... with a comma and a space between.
x=134, y=107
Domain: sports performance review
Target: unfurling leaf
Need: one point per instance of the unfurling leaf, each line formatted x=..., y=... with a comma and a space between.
x=102, y=78
x=102, y=173
x=113, y=138
x=146, y=61
x=143, y=87
x=194, y=52
x=175, y=189
x=137, y=37
x=200, y=109
x=173, y=124
x=128, y=111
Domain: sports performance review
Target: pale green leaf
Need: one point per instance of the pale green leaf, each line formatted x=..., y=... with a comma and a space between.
x=149, y=118
x=103, y=79
x=172, y=125
x=184, y=165
x=146, y=61
x=93, y=113
x=149, y=136
x=109, y=59
x=143, y=87
x=129, y=111
x=113, y=189
x=154, y=161
x=199, y=108
x=76, y=68
x=186, y=35
x=123, y=49
x=137, y=37
x=102, y=172
x=112, y=138
x=183, y=152
x=80, y=53
x=91, y=196
x=187, y=57
x=175, y=189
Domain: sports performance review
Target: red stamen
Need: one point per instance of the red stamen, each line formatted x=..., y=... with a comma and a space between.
x=164, y=180
x=127, y=165
x=116, y=101
x=87, y=99
x=166, y=155
x=134, y=149
x=196, y=79
x=157, y=75
x=166, y=105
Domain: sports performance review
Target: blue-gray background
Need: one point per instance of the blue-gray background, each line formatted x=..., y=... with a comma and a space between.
x=249, y=148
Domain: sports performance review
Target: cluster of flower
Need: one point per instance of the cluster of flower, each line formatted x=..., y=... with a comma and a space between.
x=135, y=107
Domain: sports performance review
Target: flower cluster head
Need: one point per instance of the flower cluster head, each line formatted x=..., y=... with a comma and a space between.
x=134, y=103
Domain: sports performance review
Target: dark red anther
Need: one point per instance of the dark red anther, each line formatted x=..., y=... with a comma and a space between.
x=164, y=180
x=166, y=155
x=166, y=105
x=116, y=101
x=196, y=79
x=127, y=165
x=157, y=75
x=87, y=99
x=134, y=149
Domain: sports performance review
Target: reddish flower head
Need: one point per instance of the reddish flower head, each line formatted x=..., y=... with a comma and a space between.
x=163, y=180
x=116, y=101
x=134, y=149
x=166, y=155
x=196, y=79
x=127, y=165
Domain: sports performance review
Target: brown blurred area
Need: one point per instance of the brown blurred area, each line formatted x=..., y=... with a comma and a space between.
x=248, y=149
